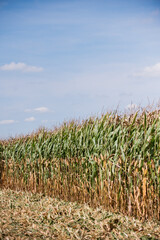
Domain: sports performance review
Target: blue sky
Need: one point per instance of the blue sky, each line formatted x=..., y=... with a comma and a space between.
x=61, y=60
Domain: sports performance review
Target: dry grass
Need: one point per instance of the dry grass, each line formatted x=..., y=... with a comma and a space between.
x=34, y=216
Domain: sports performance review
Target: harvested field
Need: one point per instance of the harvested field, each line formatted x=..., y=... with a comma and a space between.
x=26, y=215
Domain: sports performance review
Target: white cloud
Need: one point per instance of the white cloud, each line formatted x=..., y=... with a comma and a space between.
x=20, y=67
x=131, y=107
x=150, y=71
x=30, y=119
x=3, y=122
x=39, y=109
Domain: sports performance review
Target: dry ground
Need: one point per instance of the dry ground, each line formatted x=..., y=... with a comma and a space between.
x=32, y=216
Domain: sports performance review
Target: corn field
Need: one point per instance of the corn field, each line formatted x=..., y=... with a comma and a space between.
x=113, y=161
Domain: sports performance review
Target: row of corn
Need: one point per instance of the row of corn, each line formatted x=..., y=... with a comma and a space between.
x=112, y=161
